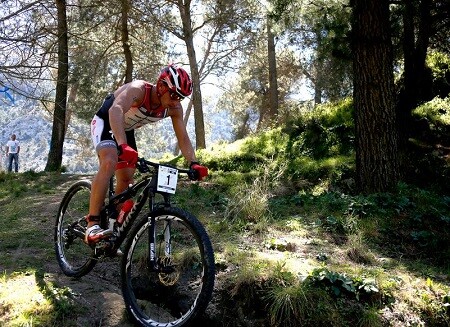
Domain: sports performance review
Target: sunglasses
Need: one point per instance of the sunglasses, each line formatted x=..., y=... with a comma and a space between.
x=175, y=96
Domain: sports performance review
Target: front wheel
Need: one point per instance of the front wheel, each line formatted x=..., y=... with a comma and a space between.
x=178, y=289
x=75, y=258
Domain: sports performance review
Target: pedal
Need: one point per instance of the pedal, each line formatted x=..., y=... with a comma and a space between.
x=106, y=248
x=101, y=248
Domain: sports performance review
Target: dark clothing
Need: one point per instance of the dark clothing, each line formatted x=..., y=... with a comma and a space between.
x=13, y=157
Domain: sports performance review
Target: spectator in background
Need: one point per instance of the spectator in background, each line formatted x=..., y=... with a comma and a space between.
x=12, y=152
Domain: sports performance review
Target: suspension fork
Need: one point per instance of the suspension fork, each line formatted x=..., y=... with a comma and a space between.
x=167, y=238
x=153, y=257
x=152, y=233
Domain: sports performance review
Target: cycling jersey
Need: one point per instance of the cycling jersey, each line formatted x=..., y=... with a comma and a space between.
x=136, y=117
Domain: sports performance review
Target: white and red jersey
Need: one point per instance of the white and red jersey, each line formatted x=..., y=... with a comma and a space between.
x=142, y=114
x=137, y=116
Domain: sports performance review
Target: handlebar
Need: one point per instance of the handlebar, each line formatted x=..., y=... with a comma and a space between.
x=144, y=165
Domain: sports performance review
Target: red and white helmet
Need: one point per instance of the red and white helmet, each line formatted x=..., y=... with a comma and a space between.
x=177, y=79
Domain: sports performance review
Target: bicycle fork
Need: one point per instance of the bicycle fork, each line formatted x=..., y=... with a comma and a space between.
x=159, y=262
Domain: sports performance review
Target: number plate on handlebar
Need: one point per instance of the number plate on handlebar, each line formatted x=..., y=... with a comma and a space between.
x=167, y=179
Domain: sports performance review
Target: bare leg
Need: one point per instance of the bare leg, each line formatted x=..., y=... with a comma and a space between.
x=107, y=161
x=124, y=177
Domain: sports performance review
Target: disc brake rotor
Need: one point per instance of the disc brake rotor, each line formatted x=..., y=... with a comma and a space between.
x=168, y=279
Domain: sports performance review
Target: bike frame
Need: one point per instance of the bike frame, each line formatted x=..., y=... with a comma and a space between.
x=168, y=271
x=149, y=186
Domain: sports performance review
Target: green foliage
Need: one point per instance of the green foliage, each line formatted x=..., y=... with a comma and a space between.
x=247, y=154
x=314, y=145
x=250, y=203
x=439, y=63
x=324, y=298
x=282, y=276
x=320, y=143
x=436, y=111
x=14, y=185
x=10, y=186
x=29, y=300
x=333, y=170
x=247, y=98
x=333, y=114
x=336, y=212
x=288, y=306
x=429, y=167
x=412, y=222
x=370, y=318
x=300, y=304
x=340, y=284
x=325, y=116
x=320, y=29
x=340, y=224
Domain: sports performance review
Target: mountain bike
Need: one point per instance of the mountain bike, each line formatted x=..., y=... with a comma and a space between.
x=167, y=268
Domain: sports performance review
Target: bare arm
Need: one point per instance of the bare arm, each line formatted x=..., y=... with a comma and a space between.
x=116, y=122
x=181, y=133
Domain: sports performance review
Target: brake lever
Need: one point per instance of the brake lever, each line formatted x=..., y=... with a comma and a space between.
x=142, y=166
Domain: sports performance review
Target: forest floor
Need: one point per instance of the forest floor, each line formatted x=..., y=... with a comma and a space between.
x=97, y=296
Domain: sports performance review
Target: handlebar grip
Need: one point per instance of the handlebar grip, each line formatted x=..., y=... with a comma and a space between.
x=143, y=166
x=193, y=175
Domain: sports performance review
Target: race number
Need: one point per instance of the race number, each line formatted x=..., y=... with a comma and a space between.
x=167, y=179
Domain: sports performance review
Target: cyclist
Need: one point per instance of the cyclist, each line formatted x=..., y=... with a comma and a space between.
x=112, y=130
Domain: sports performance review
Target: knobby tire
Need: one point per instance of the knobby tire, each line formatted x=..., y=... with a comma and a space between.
x=178, y=296
x=74, y=257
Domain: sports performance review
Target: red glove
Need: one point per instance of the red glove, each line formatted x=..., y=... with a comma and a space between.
x=128, y=154
x=201, y=171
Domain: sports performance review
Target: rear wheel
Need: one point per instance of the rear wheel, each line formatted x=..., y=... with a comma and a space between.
x=74, y=257
x=178, y=291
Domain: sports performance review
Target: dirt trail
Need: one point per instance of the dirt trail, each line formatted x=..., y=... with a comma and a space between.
x=99, y=291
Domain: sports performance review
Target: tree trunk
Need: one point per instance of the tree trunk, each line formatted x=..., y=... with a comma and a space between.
x=125, y=44
x=70, y=103
x=417, y=85
x=417, y=80
x=318, y=81
x=273, y=84
x=317, y=93
x=57, y=141
x=185, y=14
x=377, y=166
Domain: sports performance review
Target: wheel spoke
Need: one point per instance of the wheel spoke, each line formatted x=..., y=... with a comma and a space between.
x=74, y=256
x=181, y=286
